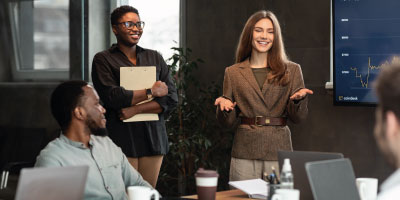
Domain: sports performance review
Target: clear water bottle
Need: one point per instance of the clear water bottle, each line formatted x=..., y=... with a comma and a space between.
x=286, y=175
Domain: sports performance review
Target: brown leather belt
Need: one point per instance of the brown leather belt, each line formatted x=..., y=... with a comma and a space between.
x=264, y=121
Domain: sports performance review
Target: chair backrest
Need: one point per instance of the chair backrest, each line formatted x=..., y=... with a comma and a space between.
x=19, y=147
x=48, y=183
x=298, y=159
x=21, y=144
x=332, y=180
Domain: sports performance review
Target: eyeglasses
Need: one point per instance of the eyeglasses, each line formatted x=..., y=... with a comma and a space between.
x=130, y=24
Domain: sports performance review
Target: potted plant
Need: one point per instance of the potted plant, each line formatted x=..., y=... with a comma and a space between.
x=195, y=138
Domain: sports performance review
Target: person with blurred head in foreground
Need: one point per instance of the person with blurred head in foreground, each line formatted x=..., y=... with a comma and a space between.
x=75, y=106
x=261, y=91
x=387, y=127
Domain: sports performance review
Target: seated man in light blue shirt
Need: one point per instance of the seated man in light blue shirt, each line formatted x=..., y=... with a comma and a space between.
x=75, y=105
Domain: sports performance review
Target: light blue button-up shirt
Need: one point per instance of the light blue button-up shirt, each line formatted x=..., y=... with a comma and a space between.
x=109, y=170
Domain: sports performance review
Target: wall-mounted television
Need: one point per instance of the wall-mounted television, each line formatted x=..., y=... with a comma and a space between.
x=366, y=38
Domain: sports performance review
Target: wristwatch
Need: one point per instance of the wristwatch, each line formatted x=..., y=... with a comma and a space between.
x=149, y=93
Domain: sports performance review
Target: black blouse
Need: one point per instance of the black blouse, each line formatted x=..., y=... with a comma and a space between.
x=136, y=139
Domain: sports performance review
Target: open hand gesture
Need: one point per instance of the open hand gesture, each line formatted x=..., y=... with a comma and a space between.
x=225, y=104
x=299, y=95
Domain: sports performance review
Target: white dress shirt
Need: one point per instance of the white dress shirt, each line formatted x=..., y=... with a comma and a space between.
x=390, y=189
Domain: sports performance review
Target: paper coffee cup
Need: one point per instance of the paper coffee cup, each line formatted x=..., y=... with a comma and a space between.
x=206, y=184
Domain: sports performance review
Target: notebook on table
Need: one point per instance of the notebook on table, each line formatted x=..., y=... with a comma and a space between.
x=255, y=188
x=332, y=180
x=298, y=159
x=49, y=183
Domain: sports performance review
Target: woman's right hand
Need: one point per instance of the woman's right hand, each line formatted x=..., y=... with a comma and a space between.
x=225, y=104
x=159, y=89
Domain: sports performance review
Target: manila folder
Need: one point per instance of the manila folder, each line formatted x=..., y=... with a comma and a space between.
x=139, y=78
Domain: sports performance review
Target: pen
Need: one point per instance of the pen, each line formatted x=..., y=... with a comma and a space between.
x=274, y=172
x=272, y=178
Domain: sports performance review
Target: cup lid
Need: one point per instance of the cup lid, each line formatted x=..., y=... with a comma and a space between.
x=206, y=173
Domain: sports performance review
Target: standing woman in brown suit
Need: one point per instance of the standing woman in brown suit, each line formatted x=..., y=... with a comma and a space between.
x=261, y=90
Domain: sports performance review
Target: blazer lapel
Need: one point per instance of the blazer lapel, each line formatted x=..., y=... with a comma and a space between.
x=248, y=75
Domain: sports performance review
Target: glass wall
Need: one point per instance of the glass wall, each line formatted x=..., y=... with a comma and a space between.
x=40, y=37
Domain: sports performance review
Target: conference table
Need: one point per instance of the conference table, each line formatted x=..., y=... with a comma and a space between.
x=225, y=195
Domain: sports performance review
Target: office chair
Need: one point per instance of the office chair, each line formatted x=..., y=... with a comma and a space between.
x=19, y=148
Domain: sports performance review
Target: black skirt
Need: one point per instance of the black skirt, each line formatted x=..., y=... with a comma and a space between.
x=139, y=139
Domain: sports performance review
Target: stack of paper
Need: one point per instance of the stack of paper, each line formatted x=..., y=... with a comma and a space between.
x=255, y=188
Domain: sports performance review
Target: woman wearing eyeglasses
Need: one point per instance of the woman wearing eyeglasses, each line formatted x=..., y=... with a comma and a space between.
x=144, y=143
x=261, y=91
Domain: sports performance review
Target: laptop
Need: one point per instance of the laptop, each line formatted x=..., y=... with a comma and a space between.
x=49, y=183
x=298, y=159
x=332, y=180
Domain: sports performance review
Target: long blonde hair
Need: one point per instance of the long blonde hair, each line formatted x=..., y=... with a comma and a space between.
x=277, y=57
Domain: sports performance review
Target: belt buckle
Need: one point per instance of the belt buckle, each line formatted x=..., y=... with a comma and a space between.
x=256, y=120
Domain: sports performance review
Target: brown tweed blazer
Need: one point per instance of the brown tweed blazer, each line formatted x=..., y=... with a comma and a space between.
x=254, y=142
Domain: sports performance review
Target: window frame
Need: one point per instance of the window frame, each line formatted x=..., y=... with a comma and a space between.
x=19, y=74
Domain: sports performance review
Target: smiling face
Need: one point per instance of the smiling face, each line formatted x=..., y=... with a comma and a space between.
x=263, y=36
x=127, y=36
x=95, y=119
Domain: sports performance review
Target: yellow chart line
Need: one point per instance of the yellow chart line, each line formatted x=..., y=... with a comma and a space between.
x=372, y=67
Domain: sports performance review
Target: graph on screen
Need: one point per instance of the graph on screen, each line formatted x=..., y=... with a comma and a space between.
x=366, y=38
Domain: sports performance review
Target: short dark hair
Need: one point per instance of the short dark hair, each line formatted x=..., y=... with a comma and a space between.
x=388, y=90
x=64, y=99
x=120, y=11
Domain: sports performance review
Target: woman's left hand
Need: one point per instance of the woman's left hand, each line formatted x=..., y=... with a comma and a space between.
x=127, y=113
x=299, y=95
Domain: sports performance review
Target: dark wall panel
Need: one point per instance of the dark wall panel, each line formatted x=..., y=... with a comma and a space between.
x=26, y=105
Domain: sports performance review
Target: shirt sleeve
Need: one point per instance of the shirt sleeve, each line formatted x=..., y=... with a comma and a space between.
x=107, y=85
x=297, y=110
x=44, y=160
x=168, y=102
x=130, y=175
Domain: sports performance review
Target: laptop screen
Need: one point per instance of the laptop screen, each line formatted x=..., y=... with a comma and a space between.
x=298, y=159
x=332, y=180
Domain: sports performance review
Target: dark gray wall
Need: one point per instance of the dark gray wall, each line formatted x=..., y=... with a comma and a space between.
x=26, y=105
x=213, y=29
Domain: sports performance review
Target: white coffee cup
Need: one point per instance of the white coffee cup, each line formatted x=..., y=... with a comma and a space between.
x=367, y=188
x=142, y=193
x=286, y=194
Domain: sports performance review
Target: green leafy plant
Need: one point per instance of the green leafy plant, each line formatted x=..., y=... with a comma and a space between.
x=195, y=139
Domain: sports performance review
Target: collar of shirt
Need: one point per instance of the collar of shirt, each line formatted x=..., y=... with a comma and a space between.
x=392, y=181
x=74, y=143
x=114, y=48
